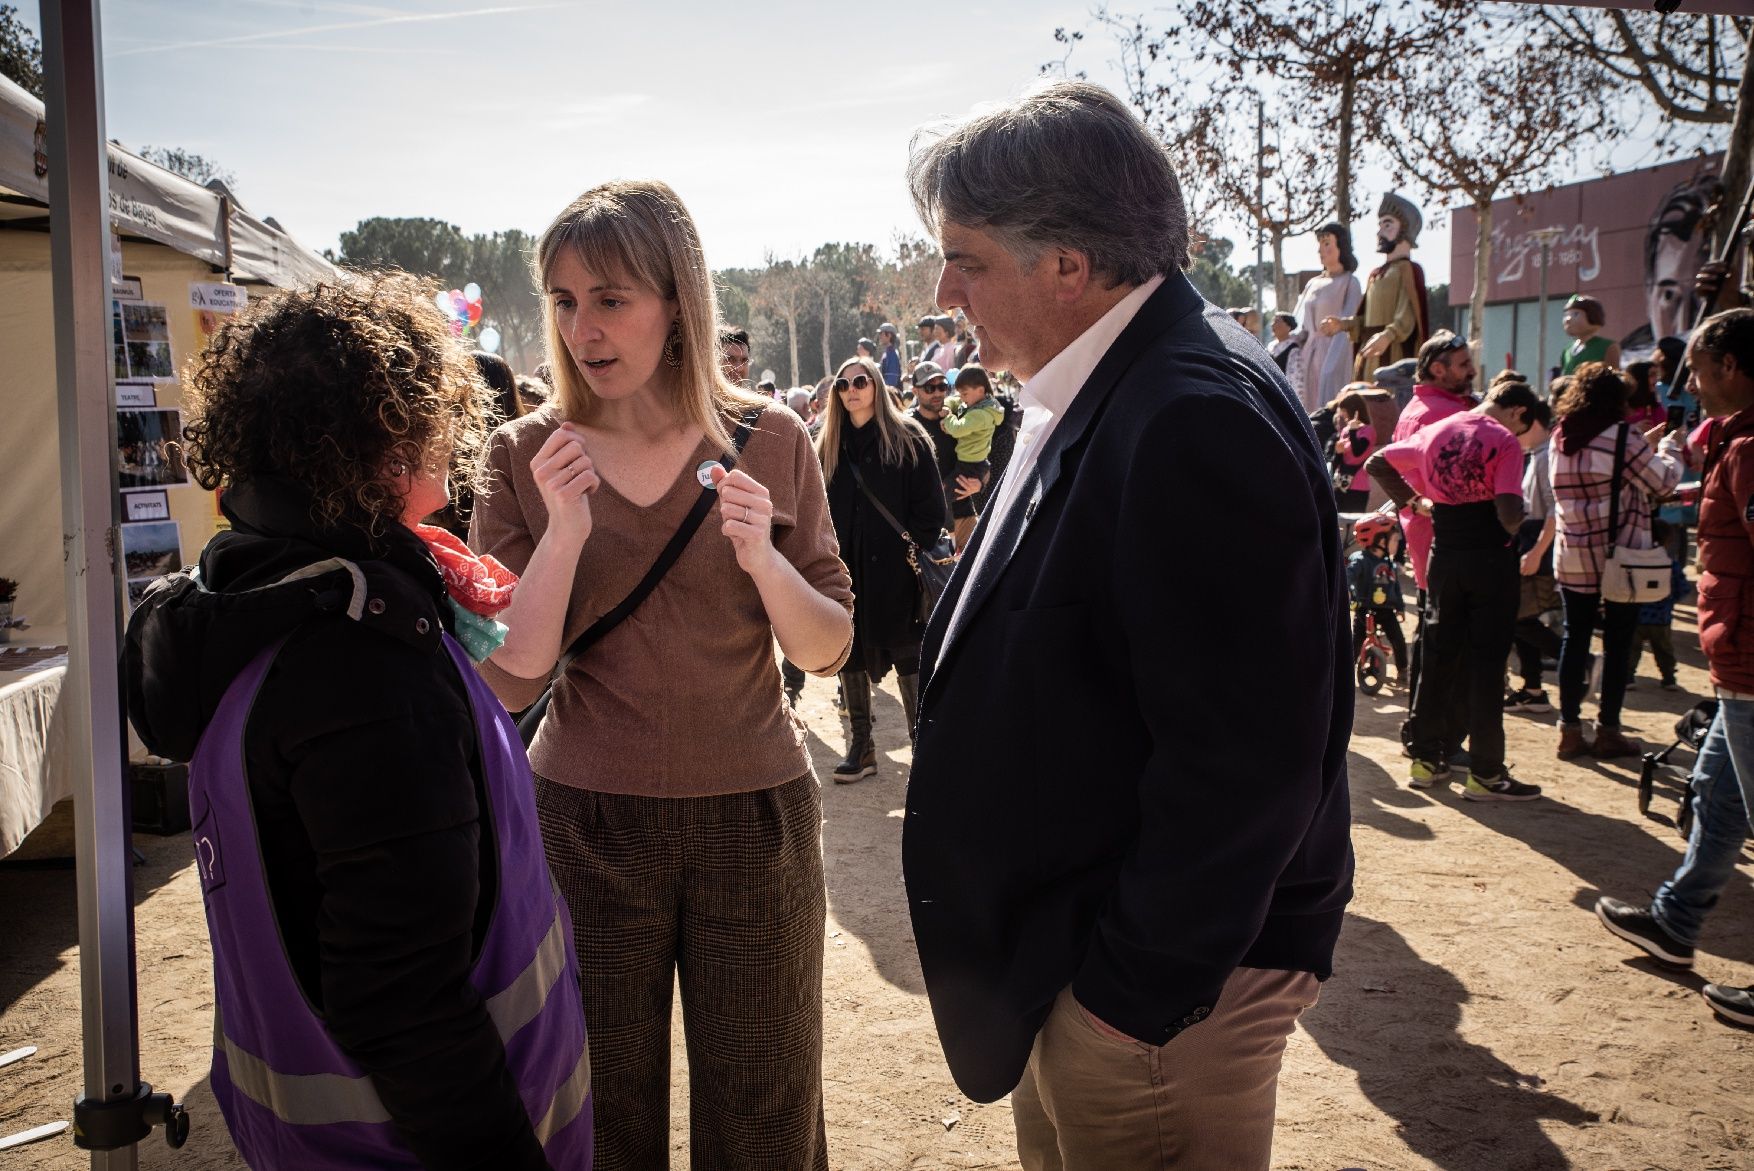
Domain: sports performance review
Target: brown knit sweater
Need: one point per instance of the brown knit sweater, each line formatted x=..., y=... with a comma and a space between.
x=684, y=698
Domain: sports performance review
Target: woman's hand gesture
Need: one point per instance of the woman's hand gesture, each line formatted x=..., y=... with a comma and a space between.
x=566, y=478
x=747, y=510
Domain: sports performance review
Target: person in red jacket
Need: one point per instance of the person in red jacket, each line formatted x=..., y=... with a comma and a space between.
x=1722, y=358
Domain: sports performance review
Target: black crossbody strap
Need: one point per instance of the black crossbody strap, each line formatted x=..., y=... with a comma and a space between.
x=672, y=552
x=1614, y=489
x=853, y=467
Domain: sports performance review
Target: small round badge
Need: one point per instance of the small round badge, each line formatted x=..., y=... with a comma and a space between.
x=704, y=473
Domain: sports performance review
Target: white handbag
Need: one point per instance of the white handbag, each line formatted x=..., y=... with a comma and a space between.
x=1630, y=575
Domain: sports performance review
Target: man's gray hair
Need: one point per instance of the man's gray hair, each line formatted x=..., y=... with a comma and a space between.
x=1067, y=165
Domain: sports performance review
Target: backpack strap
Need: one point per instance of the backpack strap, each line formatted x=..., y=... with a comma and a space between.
x=1614, y=488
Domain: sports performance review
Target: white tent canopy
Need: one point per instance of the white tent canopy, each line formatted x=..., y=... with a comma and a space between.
x=152, y=203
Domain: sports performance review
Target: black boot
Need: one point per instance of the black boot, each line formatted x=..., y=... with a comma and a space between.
x=861, y=758
x=910, y=700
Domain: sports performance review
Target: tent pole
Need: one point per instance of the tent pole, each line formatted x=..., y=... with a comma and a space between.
x=116, y=1109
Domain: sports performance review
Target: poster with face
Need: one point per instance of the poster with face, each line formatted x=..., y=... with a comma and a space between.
x=1674, y=248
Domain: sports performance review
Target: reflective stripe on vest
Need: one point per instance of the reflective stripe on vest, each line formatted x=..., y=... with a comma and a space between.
x=517, y=1004
x=320, y=1099
x=569, y=1099
x=303, y=1099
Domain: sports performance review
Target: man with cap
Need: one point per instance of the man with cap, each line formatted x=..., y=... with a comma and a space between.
x=1394, y=320
x=930, y=350
x=890, y=360
x=930, y=387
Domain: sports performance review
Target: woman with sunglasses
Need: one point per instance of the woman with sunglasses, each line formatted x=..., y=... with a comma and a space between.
x=875, y=458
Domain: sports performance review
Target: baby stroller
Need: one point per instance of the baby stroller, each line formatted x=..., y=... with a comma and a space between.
x=1690, y=731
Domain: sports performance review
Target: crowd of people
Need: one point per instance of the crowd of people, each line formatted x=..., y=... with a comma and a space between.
x=485, y=622
x=1532, y=522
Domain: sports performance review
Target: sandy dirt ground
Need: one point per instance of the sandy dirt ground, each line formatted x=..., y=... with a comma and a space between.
x=1479, y=1018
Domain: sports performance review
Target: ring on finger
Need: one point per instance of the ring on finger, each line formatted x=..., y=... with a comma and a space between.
x=746, y=514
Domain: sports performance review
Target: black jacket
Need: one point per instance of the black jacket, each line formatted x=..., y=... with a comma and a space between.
x=1169, y=799
x=363, y=773
x=887, y=626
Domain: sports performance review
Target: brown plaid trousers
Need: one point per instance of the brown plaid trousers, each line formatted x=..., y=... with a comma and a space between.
x=728, y=892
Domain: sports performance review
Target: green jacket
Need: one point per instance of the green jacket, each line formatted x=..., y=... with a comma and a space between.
x=973, y=427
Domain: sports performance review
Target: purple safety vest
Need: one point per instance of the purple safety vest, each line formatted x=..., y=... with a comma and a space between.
x=290, y=1097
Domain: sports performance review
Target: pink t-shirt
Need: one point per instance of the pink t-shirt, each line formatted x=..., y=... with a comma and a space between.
x=1644, y=418
x=1464, y=459
x=1430, y=405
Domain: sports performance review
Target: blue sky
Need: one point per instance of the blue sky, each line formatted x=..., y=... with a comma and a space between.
x=782, y=124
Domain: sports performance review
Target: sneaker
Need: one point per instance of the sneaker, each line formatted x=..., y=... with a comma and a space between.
x=1670, y=685
x=1632, y=685
x=1424, y=773
x=1733, y=1004
x=1523, y=700
x=1637, y=926
x=1503, y=787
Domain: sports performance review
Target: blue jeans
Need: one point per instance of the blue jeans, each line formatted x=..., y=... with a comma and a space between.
x=1723, y=793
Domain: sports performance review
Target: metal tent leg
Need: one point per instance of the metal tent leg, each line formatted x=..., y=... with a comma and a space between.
x=116, y=1109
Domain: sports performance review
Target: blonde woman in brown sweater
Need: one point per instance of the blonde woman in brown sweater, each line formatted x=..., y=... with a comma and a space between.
x=679, y=811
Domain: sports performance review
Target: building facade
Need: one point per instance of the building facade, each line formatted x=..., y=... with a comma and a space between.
x=1633, y=241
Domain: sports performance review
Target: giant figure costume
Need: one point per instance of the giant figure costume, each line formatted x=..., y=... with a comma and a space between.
x=1395, y=303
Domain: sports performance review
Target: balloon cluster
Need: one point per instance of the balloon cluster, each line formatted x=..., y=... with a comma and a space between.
x=463, y=308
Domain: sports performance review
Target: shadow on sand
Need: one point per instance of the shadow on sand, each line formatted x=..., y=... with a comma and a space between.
x=1395, y=1019
x=861, y=844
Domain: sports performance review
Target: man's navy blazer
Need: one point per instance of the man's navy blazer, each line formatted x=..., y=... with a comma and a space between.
x=1130, y=770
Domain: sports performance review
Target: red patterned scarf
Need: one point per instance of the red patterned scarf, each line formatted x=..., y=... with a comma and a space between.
x=479, y=584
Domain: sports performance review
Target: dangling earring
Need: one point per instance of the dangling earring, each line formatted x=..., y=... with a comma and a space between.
x=398, y=468
x=673, y=346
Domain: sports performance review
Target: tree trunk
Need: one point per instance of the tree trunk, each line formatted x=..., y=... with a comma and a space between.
x=827, y=322
x=1343, y=152
x=1281, y=283
x=792, y=338
x=1737, y=156
x=1482, y=274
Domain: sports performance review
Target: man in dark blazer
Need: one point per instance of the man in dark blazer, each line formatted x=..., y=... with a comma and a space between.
x=1123, y=902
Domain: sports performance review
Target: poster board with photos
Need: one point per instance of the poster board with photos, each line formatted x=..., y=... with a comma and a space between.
x=140, y=336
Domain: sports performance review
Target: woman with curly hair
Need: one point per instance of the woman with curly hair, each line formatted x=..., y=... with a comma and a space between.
x=1592, y=425
x=874, y=458
x=678, y=806
x=394, y=977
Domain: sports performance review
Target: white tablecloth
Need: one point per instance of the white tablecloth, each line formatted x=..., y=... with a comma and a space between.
x=33, y=749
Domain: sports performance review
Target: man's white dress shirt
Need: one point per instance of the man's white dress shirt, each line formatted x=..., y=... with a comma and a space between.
x=1045, y=400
